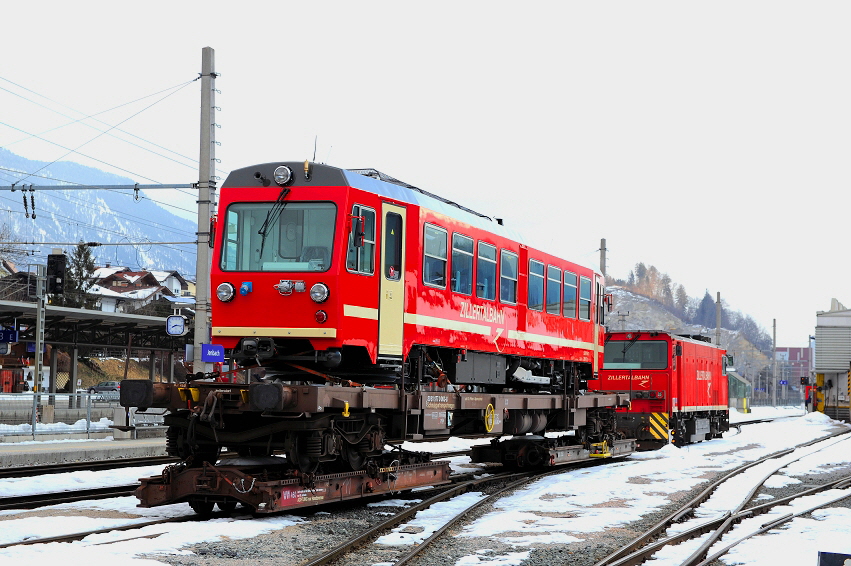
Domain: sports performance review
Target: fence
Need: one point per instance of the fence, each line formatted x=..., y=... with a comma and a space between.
x=33, y=414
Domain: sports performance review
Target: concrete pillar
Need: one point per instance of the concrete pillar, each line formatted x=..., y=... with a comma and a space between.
x=54, y=357
x=72, y=377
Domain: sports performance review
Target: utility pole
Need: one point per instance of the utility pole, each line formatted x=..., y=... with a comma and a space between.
x=718, y=320
x=774, y=363
x=38, y=359
x=206, y=195
x=603, y=258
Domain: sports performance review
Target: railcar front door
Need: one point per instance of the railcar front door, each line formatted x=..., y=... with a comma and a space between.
x=391, y=303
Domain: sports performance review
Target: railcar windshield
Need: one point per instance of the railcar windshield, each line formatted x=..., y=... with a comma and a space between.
x=301, y=239
x=633, y=354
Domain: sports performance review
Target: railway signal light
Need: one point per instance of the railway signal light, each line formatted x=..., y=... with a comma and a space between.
x=56, y=274
x=804, y=380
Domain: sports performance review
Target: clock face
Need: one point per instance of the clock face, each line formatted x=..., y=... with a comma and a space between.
x=175, y=325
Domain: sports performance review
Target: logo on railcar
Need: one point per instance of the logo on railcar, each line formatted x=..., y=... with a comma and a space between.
x=641, y=379
x=484, y=313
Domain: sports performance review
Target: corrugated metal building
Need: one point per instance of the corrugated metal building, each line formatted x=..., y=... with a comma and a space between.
x=833, y=361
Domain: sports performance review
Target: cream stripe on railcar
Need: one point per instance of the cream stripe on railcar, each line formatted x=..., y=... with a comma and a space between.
x=360, y=312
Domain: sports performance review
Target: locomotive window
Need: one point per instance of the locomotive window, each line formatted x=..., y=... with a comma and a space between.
x=393, y=246
x=569, y=305
x=486, y=272
x=434, y=258
x=631, y=354
x=507, y=277
x=553, y=290
x=361, y=259
x=462, y=264
x=601, y=305
x=536, y=285
x=584, y=298
x=301, y=239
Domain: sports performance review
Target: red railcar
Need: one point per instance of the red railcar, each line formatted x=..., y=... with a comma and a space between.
x=372, y=313
x=353, y=275
x=678, y=386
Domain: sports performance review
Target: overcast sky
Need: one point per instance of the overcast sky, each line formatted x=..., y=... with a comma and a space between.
x=708, y=139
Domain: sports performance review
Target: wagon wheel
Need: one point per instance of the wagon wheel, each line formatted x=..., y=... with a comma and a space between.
x=490, y=417
x=227, y=506
x=202, y=507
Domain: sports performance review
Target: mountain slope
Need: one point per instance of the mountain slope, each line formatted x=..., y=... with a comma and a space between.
x=648, y=314
x=72, y=215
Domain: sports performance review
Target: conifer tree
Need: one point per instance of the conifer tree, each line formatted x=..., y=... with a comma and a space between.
x=79, y=278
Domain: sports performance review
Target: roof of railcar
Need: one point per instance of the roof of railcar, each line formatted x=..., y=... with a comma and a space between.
x=671, y=335
x=368, y=180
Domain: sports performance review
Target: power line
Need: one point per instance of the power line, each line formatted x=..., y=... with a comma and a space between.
x=86, y=186
x=70, y=151
x=93, y=116
x=80, y=120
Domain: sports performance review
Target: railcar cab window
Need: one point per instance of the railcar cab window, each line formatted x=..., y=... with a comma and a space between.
x=486, y=272
x=536, y=285
x=434, y=256
x=635, y=354
x=569, y=304
x=507, y=277
x=392, y=246
x=584, y=298
x=462, y=264
x=300, y=239
x=553, y=290
x=361, y=259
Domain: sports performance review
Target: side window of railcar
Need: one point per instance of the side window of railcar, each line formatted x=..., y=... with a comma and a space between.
x=486, y=272
x=507, y=277
x=601, y=304
x=569, y=304
x=393, y=246
x=462, y=264
x=584, y=298
x=536, y=285
x=553, y=290
x=434, y=256
x=361, y=259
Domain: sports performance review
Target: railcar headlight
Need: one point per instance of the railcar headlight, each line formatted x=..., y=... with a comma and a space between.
x=319, y=292
x=225, y=292
x=283, y=175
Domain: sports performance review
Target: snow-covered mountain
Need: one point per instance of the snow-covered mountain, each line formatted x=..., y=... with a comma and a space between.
x=104, y=216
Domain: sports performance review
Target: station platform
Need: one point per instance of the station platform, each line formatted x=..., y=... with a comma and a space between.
x=41, y=453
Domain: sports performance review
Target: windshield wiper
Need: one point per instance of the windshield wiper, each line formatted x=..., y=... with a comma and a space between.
x=272, y=217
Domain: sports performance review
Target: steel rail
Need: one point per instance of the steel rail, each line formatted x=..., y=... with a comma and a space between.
x=29, y=471
x=44, y=499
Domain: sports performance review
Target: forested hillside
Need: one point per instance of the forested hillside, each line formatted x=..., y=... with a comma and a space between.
x=698, y=311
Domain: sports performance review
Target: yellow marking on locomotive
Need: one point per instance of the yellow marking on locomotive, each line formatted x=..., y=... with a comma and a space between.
x=659, y=425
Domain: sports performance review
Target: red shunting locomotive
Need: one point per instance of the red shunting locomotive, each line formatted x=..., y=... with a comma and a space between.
x=677, y=384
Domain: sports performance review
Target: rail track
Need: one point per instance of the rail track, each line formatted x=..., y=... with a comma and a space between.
x=45, y=499
x=501, y=483
x=30, y=471
x=646, y=545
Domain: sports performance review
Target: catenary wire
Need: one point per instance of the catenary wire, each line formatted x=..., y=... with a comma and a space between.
x=80, y=120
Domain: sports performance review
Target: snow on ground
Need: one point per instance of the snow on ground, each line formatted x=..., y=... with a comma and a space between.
x=558, y=509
